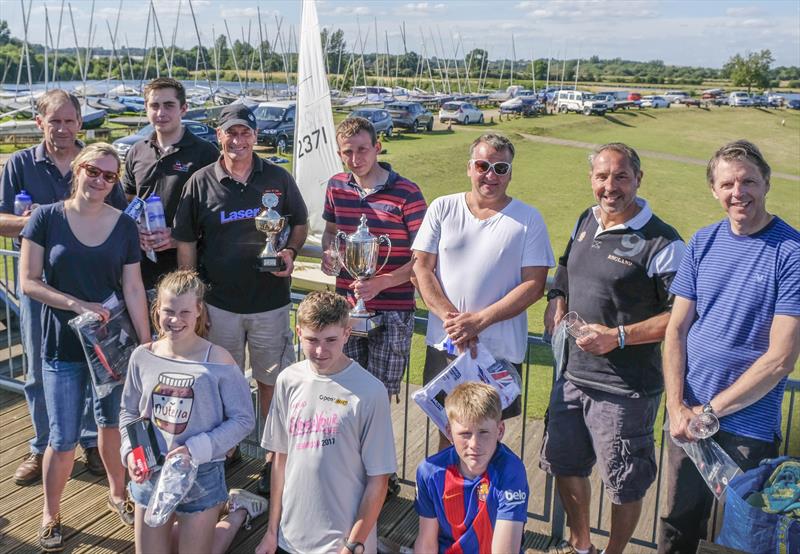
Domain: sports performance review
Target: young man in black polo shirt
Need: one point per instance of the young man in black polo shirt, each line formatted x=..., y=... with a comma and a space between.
x=216, y=232
x=160, y=165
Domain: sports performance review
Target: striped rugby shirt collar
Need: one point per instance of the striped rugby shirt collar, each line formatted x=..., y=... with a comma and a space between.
x=389, y=181
x=636, y=222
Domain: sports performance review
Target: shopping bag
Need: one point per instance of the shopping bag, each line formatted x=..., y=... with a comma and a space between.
x=501, y=374
x=107, y=345
x=748, y=527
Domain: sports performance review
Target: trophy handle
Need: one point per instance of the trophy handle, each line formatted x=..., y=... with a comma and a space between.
x=337, y=247
x=388, y=241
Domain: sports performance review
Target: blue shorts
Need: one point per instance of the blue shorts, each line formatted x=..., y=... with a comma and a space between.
x=66, y=386
x=209, y=489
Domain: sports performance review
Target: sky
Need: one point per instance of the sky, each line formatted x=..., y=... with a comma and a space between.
x=686, y=32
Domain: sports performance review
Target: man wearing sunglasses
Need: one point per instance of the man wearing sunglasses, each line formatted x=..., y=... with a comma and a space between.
x=481, y=260
x=615, y=274
x=44, y=172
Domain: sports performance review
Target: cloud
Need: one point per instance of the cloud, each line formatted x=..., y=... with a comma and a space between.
x=351, y=10
x=751, y=23
x=588, y=9
x=744, y=11
x=239, y=12
x=420, y=8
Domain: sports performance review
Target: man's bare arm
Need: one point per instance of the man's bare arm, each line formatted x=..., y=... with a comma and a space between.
x=674, y=366
x=507, y=536
x=605, y=339
x=429, y=286
x=428, y=536
x=761, y=377
x=187, y=255
x=11, y=225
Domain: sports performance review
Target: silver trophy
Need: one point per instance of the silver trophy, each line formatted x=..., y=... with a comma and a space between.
x=361, y=261
x=270, y=223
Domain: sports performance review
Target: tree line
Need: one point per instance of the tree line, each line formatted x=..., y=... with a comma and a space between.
x=348, y=66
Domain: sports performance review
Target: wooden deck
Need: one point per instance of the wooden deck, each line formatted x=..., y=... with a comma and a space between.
x=90, y=527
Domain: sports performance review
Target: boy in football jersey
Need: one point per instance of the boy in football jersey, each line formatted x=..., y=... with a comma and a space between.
x=472, y=496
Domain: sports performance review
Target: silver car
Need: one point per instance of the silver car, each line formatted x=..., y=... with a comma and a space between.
x=460, y=112
x=380, y=118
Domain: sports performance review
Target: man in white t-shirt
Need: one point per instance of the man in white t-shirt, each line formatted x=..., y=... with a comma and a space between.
x=481, y=260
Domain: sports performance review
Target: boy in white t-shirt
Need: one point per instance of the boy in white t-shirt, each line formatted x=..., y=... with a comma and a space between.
x=330, y=428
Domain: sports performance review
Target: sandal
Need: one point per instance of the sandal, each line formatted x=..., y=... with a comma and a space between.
x=50, y=536
x=124, y=509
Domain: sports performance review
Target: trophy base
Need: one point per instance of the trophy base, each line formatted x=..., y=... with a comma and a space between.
x=365, y=325
x=270, y=264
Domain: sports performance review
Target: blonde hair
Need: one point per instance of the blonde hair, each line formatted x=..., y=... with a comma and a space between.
x=182, y=281
x=473, y=402
x=319, y=309
x=89, y=154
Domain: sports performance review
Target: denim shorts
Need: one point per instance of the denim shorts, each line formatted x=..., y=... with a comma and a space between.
x=209, y=489
x=66, y=386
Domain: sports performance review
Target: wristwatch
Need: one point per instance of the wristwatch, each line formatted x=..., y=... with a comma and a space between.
x=555, y=293
x=354, y=547
x=707, y=409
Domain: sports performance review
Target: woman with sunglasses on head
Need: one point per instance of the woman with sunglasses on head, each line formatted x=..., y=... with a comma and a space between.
x=75, y=255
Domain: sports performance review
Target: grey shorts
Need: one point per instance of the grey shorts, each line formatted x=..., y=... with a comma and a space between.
x=436, y=360
x=267, y=335
x=584, y=426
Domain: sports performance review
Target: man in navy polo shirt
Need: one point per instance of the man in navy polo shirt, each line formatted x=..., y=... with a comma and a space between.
x=615, y=273
x=160, y=165
x=44, y=172
x=216, y=233
x=733, y=336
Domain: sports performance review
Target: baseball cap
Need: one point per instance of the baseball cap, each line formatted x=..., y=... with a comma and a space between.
x=236, y=114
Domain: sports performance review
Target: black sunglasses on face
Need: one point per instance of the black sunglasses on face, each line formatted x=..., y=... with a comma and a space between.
x=94, y=172
x=483, y=166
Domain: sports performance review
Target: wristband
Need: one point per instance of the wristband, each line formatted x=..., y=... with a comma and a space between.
x=621, y=336
x=294, y=251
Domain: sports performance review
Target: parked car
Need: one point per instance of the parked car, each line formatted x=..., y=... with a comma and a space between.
x=380, y=118
x=739, y=99
x=523, y=105
x=410, y=115
x=675, y=96
x=276, y=123
x=759, y=100
x=654, y=102
x=793, y=104
x=581, y=102
x=460, y=112
x=205, y=132
x=775, y=100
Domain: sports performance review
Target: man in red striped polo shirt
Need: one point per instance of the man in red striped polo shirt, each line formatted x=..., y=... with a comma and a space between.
x=393, y=206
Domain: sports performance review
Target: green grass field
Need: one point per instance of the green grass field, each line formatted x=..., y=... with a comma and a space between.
x=554, y=178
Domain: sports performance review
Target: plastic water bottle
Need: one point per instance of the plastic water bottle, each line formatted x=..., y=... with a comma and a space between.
x=22, y=202
x=154, y=212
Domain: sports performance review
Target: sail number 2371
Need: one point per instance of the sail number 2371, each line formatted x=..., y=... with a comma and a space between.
x=311, y=141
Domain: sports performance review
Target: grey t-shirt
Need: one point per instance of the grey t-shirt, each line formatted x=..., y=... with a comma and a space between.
x=336, y=430
x=203, y=405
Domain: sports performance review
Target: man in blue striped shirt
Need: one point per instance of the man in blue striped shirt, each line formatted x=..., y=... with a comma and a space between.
x=732, y=338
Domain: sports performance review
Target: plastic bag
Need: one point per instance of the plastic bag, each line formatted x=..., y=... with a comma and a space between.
x=501, y=374
x=174, y=483
x=107, y=345
x=713, y=463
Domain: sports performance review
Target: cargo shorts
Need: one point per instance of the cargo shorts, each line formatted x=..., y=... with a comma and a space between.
x=584, y=426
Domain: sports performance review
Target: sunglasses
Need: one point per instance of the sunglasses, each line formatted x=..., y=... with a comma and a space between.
x=483, y=166
x=94, y=172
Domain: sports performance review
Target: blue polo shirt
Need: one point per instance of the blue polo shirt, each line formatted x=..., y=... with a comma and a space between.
x=32, y=170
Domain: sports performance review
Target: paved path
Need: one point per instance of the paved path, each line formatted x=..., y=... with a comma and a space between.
x=642, y=153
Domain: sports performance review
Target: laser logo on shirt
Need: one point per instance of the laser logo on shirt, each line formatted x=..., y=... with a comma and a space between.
x=237, y=215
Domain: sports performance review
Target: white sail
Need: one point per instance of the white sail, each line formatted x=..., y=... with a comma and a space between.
x=315, y=158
